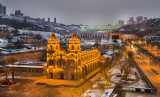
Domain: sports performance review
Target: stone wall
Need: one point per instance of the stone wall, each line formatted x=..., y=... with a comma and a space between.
x=25, y=56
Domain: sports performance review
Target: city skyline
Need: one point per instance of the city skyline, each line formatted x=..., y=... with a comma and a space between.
x=81, y=12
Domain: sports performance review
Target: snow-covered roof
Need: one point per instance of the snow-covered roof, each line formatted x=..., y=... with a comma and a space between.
x=24, y=66
x=122, y=29
x=109, y=52
x=28, y=64
x=45, y=35
x=107, y=56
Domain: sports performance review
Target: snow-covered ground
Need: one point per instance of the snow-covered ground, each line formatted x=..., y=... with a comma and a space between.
x=45, y=35
x=98, y=93
x=3, y=42
x=6, y=51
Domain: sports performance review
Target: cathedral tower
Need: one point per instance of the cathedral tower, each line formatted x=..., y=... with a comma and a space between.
x=74, y=55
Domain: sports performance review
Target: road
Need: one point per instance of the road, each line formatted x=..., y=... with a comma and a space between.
x=154, y=79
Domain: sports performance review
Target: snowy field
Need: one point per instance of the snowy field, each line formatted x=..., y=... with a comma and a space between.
x=98, y=93
x=3, y=42
x=45, y=35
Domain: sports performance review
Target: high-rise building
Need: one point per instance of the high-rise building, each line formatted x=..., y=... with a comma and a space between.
x=128, y=22
x=18, y=13
x=131, y=21
x=54, y=20
x=4, y=10
x=121, y=22
x=1, y=9
x=145, y=19
x=139, y=19
x=48, y=19
x=43, y=19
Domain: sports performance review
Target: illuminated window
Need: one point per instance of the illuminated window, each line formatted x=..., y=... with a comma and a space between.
x=72, y=62
x=51, y=47
x=50, y=61
x=72, y=47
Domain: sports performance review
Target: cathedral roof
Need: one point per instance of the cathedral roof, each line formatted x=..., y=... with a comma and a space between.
x=53, y=36
x=74, y=35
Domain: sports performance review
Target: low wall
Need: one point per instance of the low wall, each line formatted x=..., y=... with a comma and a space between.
x=23, y=56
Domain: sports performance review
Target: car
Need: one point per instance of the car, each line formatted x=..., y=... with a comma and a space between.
x=6, y=83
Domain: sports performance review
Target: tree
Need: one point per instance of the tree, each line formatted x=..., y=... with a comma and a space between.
x=6, y=73
x=101, y=87
x=96, y=45
x=12, y=61
x=120, y=91
x=122, y=69
x=127, y=71
x=19, y=44
x=107, y=80
x=44, y=56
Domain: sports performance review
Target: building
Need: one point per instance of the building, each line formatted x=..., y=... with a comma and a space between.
x=4, y=10
x=121, y=22
x=18, y=13
x=28, y=68
x=31, y=55
x=3, y=27
x=1, y=9
x=91, y=34
x=48, y=19
x=43, y=19
x=139, y=19
x=72, y=65
x=131, y=21
x=55, y=20
x=145, y=19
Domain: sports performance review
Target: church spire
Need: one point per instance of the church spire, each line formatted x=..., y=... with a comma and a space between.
x=53, y=36
x=74, y=35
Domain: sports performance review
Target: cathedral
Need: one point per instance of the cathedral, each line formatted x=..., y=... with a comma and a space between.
x=73, y=64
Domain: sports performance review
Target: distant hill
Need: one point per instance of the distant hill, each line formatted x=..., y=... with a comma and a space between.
x=151, y=26
x=27, y=23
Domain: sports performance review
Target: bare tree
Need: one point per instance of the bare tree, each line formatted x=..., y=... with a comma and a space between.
x=12, y=61
x=120, y=91
x=107, y=80
x=122, y=69
x=6, y=73
x=127, y=71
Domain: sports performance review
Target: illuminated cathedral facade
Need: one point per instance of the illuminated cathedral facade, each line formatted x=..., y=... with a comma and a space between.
x=71, y=65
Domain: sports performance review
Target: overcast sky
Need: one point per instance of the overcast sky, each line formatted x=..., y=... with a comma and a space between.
x=85, y=11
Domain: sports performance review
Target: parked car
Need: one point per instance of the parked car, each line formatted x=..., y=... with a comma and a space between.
x=6, y=83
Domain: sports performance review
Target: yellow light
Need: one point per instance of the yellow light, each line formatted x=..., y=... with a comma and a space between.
x=47, y=69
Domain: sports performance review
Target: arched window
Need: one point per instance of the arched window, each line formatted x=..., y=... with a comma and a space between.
x=51, y=47
x=53, y=63
x=56, y=46
x=72, y=47
x=61, y=63
x=50, y=61
x=79, y=62
x=72, y=62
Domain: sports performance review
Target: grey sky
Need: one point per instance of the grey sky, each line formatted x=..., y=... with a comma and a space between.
x=85, y=11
